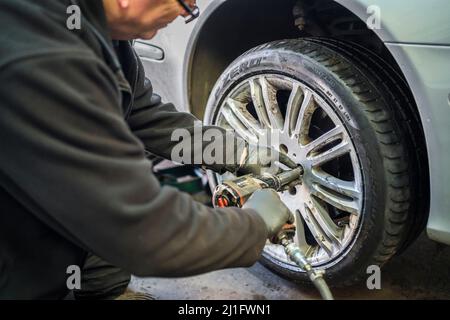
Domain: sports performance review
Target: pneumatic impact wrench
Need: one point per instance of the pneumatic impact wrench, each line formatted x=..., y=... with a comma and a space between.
x=234, y=193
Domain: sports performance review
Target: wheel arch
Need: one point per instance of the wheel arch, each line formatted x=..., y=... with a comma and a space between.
x=227, y=28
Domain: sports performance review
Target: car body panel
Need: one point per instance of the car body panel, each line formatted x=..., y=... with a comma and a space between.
x=407, y=21
x=416, y=32
x=427, y=70
x=419, y=40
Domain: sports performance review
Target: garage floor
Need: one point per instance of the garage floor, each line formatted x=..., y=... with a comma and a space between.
x=422, y=272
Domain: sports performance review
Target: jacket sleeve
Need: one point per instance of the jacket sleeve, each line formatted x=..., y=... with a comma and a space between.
x=66, y=149
x=153, y=122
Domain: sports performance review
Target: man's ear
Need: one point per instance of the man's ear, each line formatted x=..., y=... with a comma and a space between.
x=124, y=4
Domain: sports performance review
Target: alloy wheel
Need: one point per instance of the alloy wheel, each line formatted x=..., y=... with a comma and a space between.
x=328, y=202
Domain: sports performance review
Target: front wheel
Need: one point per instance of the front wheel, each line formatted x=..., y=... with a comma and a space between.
x=336, y=116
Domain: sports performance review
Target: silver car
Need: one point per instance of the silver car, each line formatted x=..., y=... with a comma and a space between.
x=360, y=92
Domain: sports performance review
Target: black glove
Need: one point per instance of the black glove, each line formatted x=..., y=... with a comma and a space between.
x=262, y=159
x=268, y=205
x=242, y=158
x=255, y=159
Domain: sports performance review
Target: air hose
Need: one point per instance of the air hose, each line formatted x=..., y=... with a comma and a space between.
x=297, y=256
x=234, y=193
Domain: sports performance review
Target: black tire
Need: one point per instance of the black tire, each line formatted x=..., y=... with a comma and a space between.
x=403, y=106
x=386, y=137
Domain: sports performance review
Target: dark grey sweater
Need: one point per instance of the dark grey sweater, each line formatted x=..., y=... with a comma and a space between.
x=73, y=172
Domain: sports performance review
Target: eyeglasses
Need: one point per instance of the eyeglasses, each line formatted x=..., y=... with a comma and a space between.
x=193, y=12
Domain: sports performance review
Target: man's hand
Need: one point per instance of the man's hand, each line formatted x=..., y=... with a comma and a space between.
x=258, y=160
x=288, y=230
x=268, y=205
x=242, y=158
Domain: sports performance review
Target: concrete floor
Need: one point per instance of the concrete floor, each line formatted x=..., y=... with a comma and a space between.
x=421, y=272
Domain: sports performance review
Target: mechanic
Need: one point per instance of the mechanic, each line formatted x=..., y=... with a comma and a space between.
x=78, y=118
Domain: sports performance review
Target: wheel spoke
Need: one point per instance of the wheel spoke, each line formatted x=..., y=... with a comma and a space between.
x=241, y=112
x=300, y=235
x=316, y=230
x=330, y=229
x=264, y=97
x=305, y=113
x=320, y=157
x=293, y=109
x=338, y=193
x=330, y=136
x=258, y=102
x=345, y=188
x=237, y=116
x=327, y=234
